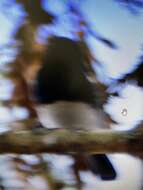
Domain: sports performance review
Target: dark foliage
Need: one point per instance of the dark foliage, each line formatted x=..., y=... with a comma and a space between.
x=136, y=75
x=36, y=14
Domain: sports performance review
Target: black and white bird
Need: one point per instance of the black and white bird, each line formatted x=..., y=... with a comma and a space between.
x=65, y=93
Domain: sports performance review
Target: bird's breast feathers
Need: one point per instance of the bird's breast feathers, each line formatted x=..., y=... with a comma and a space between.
x=72, y=115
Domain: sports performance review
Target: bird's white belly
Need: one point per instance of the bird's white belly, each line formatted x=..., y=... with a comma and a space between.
x=71, y=115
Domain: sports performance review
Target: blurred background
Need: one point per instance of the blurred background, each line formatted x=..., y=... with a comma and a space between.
x=112, y=31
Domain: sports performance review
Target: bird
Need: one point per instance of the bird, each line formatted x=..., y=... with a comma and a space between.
x=63, y=91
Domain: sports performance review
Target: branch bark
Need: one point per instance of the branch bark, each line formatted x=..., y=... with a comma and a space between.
x=62, y=141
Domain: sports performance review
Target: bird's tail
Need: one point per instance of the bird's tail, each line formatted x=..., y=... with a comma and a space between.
x=101, y=165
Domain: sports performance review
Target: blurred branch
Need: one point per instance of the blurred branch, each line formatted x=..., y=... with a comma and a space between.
x=134, y=6
x=63, y=141
x=84, y=28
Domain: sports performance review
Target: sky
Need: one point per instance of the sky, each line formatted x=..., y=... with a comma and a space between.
x=126, y=30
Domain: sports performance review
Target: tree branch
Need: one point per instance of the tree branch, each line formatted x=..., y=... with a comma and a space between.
x=64, y=141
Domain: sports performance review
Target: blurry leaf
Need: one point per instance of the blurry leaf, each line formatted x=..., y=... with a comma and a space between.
x=20, y=94
x=109, y=43
x=136, y=74
x=106, y=41
x=26, y=36
x=74, y=9
x=36, y=14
